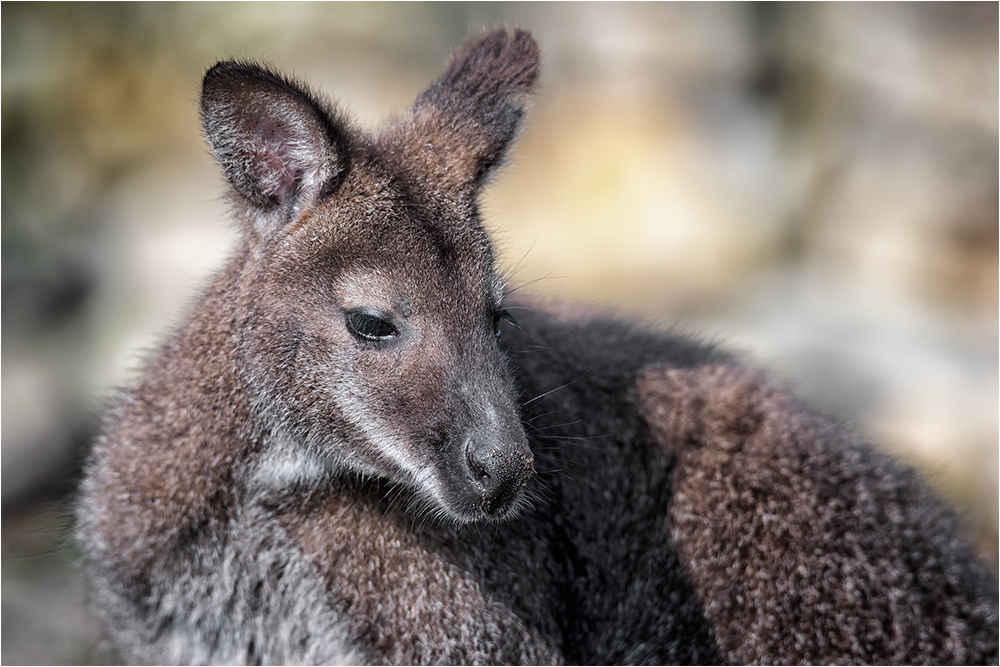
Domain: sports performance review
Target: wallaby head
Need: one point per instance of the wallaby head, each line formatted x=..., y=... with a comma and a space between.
x=371, y=302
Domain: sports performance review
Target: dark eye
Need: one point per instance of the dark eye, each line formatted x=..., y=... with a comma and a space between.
x=366, y=326
x=503, y=316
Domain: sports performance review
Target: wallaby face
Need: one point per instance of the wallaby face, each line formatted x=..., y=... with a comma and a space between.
x=372, y=302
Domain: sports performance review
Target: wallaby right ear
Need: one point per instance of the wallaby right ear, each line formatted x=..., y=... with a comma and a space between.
x=462, y=125
x=280, y=147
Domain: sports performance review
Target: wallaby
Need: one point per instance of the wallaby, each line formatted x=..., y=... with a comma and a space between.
x=356, y=449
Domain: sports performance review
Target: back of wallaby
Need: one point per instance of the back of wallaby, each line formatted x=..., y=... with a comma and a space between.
x=356, y=450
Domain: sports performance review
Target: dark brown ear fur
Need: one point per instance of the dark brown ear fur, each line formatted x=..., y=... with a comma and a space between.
x=460, y=127
x=281, y=148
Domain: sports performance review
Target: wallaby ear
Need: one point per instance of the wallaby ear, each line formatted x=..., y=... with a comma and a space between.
x=279, y=146
x=470, y=115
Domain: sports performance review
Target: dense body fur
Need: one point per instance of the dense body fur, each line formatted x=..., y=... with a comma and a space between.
x=335, y=460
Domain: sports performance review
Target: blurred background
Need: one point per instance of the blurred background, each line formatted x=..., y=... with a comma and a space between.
x=814, y=186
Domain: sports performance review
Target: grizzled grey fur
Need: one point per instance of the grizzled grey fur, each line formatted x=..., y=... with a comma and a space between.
x=355, y=449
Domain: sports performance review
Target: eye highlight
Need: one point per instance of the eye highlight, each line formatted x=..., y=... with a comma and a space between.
x=503, y=315
x=367, y=326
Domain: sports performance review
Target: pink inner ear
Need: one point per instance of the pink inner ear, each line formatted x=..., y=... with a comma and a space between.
x=282, y=172
x=278, y=169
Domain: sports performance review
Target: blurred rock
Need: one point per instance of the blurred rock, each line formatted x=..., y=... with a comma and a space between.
x=46, y=616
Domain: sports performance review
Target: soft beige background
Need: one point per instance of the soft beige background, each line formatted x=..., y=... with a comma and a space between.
x=813, y=185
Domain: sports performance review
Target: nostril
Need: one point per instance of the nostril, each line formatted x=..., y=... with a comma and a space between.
x=476, y=466
x=499, y=472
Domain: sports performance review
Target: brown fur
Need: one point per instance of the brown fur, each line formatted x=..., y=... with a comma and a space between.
x=156, y=496
x=404, y=588
x=805, y=546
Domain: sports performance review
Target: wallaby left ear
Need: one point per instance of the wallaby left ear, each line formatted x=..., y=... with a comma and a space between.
x=466, y=120
x=280, y=147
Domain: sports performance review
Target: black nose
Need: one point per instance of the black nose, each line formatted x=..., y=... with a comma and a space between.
x=500, y=472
